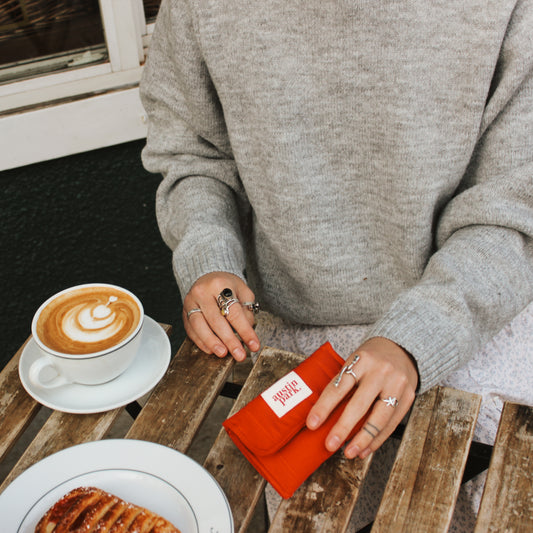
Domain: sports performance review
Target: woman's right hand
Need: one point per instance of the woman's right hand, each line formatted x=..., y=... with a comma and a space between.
x=208, y=329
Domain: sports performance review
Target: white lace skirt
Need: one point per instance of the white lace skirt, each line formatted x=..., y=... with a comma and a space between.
x=501, y=371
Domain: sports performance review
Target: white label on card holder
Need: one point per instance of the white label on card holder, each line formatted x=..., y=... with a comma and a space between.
x=286, y=393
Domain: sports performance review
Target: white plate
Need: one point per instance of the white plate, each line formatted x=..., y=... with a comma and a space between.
x=150, y=475
x=147, y=369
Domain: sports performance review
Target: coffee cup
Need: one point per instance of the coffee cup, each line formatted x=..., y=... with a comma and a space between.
x=88, y=334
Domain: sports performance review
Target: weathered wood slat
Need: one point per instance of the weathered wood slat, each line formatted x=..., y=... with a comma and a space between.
x=507, y=503
x=239, y=480
x=422, y=487
x=426, y=476
x=182, y=399
x=60, y=431
x=325, y=502
x=17, y=407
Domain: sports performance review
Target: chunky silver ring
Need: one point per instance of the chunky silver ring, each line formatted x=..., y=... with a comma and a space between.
x=226, y=294
x=391, y=401
x=196, y=310
x=347, y=369
x=224, y=308
x=224, y=297
x=251, y=306
x=225, y=300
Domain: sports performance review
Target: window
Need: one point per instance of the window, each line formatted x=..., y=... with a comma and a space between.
x=69, y=74
x=36, y=36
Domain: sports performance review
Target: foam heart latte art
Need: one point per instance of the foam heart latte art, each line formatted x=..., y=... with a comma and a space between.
x=88, y=320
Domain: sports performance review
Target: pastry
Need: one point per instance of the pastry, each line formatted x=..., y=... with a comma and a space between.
x=93, y=510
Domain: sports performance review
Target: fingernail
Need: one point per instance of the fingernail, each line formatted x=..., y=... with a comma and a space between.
x=365, y=453
x=239, y=354
x=352, y=451
x=313, y=421
x=254, y=346
x=333, y=443
x=219, y=350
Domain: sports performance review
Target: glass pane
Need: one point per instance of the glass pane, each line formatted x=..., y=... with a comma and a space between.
x=151, y=7
x=35, y=29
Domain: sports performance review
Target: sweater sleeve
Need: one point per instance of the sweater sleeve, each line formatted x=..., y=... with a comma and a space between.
x=481, y=274
x=200, y=198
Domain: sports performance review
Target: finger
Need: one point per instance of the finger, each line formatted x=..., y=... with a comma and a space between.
x=201, y=334
x=356, y=408
x=379, y=425
x=334, y=392
x=407, y=400
x=240, y=323
x=222, y=330
x=239, y=319
x=213, y=334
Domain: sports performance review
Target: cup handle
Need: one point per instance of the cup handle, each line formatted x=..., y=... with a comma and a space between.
x=35, y=374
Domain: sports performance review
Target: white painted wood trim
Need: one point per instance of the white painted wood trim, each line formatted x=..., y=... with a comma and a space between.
x=122, y=32
x=140, y=23
x=49, y=80
x=33, y=128
x=57, y=131
x=65, y=88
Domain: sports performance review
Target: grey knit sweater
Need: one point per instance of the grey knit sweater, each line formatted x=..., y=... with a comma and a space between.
x=359, y=162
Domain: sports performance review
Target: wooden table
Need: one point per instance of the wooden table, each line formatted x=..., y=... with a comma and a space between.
x=422, y=488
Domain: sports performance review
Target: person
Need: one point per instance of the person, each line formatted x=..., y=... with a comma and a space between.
x=363, y=171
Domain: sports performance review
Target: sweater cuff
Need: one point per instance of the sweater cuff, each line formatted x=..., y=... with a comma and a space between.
x=189, y=267
x=427, y=334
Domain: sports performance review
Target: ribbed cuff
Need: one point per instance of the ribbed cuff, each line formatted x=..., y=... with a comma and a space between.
x=188, y=267
x=427, y=334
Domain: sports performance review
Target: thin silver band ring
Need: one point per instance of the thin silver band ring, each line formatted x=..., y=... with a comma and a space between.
x=195, y=310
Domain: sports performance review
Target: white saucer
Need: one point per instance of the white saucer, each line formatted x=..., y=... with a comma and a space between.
x=144, y=373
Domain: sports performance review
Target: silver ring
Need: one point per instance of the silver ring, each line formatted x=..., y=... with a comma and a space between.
x=225, y=294
x=196, y=310
x=224, y=309
x=347, y=369
x=224, y=297
x=225, y=300
x=391, y=401
x=251, y=306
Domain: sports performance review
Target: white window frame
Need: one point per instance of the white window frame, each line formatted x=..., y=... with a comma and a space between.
x=82, y=108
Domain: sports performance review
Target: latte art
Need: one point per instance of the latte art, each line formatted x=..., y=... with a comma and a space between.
x=88, y=320
x=92, y=322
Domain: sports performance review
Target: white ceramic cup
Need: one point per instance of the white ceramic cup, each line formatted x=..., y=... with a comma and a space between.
x=57, y=367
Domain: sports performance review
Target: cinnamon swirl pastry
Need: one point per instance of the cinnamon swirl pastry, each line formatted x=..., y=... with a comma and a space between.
x=93, y=510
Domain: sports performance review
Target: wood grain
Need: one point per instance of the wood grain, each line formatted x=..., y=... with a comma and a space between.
x=507, y=503
x=422, y=489
x=17, y=407
x=325, y=502
x=180, y=402
x=60, y=431
x=237, y=477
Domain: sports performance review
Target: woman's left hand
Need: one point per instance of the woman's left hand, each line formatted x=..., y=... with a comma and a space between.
x=386, y=383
